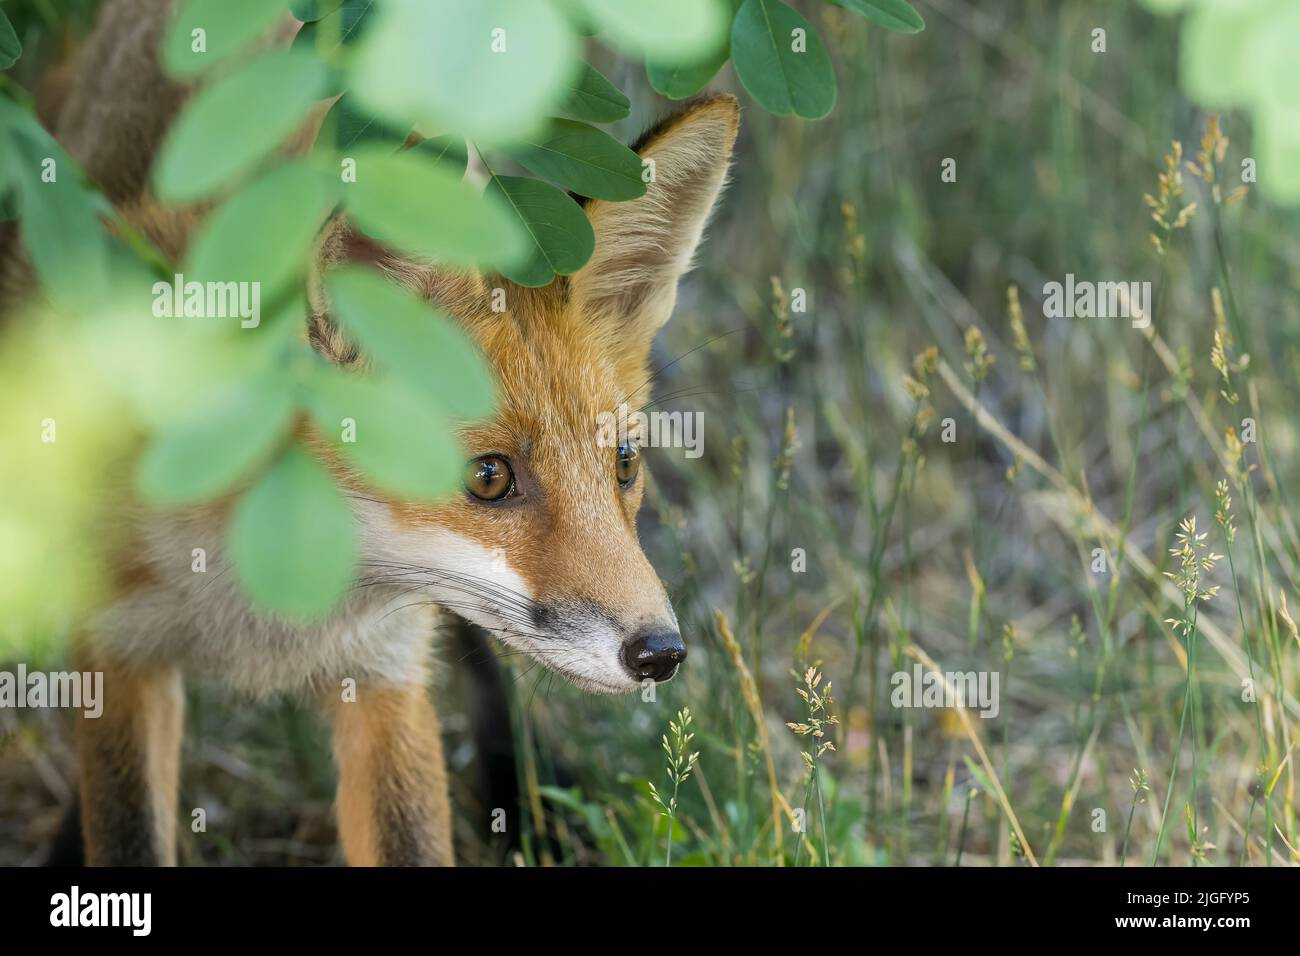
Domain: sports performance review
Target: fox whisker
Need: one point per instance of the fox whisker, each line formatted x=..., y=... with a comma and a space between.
x=498, y=592
x=694, y=392
x=663, y=368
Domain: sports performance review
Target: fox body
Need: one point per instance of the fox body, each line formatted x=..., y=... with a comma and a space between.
x=541, y=550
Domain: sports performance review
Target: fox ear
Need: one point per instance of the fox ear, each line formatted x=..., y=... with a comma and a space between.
x=643, y=246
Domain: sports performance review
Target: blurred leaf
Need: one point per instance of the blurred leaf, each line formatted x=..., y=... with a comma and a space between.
x=410, y=339
x=424, y=208
x=10, y=47
x=1243, y=55
x=338, y=28
x=352, y=127
x=666, y=31
x=231, y=126
x=52, y=567
x=1278, y=150
x=1215, y=56
x=228, y=26
x=448, y=150
x=11, y=120
x=782, y=79
x=593, y=814
x=561, y=234
x=68, y=248
x=311, y=10
x=307, y=43
x=698, y=858
x=400, y=440
x=198, y=458
x=897, y=15
x=266, y=232
x=594, y=99
x=585, y=160
x=687, y=79
x=292, y=539
x=487, y=71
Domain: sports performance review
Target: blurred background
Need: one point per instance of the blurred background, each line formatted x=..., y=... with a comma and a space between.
x=862, y=511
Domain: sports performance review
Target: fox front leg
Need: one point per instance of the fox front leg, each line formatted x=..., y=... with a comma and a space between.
x=393, y=807
x=130, y=763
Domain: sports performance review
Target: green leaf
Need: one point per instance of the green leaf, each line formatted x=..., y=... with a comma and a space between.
x=306, y=42
x=665, y=31
x=561, y=234
x=352, y=127
x=393, y=434
x=266, y=233
x=1216, y=56
x=60, y=228
x=1278, y=149
x=346, y=127
x=489, y=71
x=293, y=539
x=783, y=80
x=228, y=26
x=10, y=46
x=309, y=11
x=408, y=338
x=11, y=120
x=327, y=37
x=897, y=15
x=586, y=161
x=595, y=99
x=205, y=454
x=448, y=150
x=338, y=28
x=687, y=79
x=426, y=209
x=234, y=124
x=1243, y=56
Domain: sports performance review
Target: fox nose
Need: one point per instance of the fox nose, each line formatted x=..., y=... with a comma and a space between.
x=654, y=654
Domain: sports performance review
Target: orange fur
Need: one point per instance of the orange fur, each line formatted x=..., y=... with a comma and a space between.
x=393, y=807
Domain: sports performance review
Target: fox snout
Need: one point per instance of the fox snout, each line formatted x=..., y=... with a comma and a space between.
x=654, y=655
x=603, y=649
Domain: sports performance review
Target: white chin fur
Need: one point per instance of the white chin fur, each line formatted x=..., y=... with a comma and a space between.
x=588, y=656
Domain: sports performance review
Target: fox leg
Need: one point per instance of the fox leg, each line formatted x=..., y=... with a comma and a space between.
x=130, y=762
x=393, y=807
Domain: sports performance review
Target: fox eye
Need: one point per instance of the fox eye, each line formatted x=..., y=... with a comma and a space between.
x=629, y=463
x=489, y=478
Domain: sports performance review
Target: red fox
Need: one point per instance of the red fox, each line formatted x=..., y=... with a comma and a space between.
x=540, y=548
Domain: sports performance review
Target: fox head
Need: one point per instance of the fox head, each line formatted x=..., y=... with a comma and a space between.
x=540, y=548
